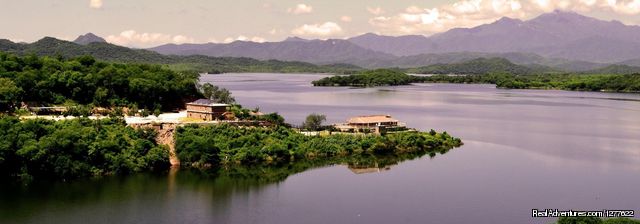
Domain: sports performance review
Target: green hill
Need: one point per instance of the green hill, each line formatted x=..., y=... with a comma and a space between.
x=615, y=69
x=49, y=46
x=481, y=66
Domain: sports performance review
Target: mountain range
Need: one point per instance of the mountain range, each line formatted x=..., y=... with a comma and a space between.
x=103, y=51
x=559, y=39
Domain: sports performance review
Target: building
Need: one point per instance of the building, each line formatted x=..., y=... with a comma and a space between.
x=207, y=110
x=371, y=124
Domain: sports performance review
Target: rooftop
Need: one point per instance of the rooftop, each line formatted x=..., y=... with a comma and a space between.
x=371, y=119
x=207, y=102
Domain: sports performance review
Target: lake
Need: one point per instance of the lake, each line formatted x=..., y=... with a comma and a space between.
x=524, y=150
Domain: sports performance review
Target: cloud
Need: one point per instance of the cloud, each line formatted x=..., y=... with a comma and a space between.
x=273, y=31
x=95, y=4
x=346, y=19
x=629, y=7
x=322, y=30
x=300, y=9
x=375, y=11
x=135, y=39
x=244, y=38
x=470, y=13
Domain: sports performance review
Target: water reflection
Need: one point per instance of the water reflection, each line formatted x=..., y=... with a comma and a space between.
x=170, y=197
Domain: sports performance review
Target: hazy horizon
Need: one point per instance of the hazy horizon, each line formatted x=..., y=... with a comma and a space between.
x=149, y=23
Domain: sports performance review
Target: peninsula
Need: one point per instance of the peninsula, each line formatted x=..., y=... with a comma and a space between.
x=66, y=119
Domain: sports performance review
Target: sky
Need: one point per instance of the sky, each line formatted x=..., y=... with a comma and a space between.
x=148, y=23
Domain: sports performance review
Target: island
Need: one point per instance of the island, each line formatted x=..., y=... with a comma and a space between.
x=576, y=82
x=63, y=119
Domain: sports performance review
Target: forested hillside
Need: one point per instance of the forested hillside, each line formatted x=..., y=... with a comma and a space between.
x=83, y=80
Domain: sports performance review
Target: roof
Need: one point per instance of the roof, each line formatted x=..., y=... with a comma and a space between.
x=371, y=119
x=207, y=102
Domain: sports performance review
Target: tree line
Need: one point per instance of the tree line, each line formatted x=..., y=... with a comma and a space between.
x=83, y=80
x=578, y=82
x=228, y=144
x=63, y=150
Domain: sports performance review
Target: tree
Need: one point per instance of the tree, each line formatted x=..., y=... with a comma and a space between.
x=224, y=96
x=9, y=94
x=217, y=94
x=208, y=90
x=313, y=122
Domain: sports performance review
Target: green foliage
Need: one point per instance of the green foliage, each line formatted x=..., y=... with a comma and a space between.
x=613, y=83
x=217, y=94
x=10, y=94
x=621, y=221
x=227, y=144
x=313, y=122
x=85, y=81
x=42, y=149
x=379, y=77
x=595, y=220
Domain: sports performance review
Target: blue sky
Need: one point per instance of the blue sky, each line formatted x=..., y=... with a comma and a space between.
x=146, y=23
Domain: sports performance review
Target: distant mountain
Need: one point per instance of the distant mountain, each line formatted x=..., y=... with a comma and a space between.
x=50, y=46
x=615, y=69
x=89, y=38
x=481, y=66
x=558, y=34
x=525, y=59
x=296, y=39
x=399, y=46
x=563, y=40
x=313, y=51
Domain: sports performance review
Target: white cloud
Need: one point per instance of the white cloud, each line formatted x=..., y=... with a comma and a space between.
x=346, y=19
x=629, y=7
x=245, y=38
x=16, y=40
x=375, y=11
x=273, y=31
x=469, y=13
x=300, y=9
x=135, y=39
x=95, y=4
x=322, y=30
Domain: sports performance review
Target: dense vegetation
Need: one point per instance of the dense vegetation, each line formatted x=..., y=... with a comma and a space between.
x=613, y=83
x=227, y=144
x=84, y=80
x=76, y=148
x=595, y=220
x=112, y=53
x=379, y=77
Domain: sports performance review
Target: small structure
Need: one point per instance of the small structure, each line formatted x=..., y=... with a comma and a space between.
x=48, y=110
x=207, y=110
x=371, y=124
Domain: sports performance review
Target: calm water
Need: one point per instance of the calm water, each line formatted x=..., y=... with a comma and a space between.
x=523, y=149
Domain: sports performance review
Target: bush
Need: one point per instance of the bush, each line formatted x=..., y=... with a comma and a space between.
x=43, y=149
x=199, y=145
